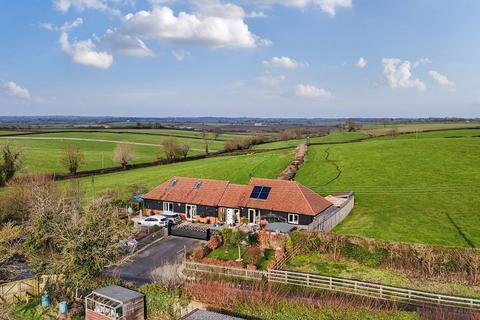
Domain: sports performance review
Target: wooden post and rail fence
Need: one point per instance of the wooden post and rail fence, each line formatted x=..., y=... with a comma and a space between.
x=335, y=284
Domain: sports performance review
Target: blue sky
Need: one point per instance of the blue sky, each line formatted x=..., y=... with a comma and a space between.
x=265, y=58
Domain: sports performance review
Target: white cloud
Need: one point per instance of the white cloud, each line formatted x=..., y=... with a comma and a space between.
x=127, y=44
x=361, y=63
x=397, y=74
x=420, y=62
x=256, y=14
x=80, y=5
x=215, y=25
x=13, y=89
x=310, y=91
x=330, y=6
x=441, y=79
x=283, y=62
x=85, y=53
x=180, y=55
x=271, y=80
x=66, y=27
x=327, y=6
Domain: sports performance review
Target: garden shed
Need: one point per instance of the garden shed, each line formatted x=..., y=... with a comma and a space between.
x=114, y=303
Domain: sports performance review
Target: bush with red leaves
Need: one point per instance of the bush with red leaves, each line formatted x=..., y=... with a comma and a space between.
x=253, y=255
x=215, y=242
x=200, y=252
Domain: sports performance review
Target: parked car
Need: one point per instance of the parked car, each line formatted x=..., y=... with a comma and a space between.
x=155, y=220
x=172, y=217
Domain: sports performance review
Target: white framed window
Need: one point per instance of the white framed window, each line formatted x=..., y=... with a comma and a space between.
x=293, y=218
x=168, y=207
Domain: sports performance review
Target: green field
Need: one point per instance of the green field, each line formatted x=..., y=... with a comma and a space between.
x=424, y=190
x=460, y=133
x=43, y=152
x=332, y=137
x=237, y=169
x=420, y=126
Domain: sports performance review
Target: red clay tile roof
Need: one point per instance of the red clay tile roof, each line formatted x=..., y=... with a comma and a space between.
x=235, y=195
x=208, y=193
x=287, y=196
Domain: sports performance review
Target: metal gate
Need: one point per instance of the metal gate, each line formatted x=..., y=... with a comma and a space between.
x=190, y=230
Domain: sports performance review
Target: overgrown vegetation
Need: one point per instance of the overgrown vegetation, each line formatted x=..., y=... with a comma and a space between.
x=11, y=160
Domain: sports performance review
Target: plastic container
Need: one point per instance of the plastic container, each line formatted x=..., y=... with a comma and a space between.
x=46, y=301
x=63, y=307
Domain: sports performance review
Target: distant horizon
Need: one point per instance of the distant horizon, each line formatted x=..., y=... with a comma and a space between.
x=231, y=58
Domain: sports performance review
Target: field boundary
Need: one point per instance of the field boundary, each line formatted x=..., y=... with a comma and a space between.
x=342, y=285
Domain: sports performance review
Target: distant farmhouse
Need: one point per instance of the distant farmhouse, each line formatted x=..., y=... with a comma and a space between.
x=261, y=201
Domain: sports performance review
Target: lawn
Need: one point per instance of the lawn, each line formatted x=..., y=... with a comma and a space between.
x=237, y=169
x=332, y=137
x=317, y=263
x=422, y=191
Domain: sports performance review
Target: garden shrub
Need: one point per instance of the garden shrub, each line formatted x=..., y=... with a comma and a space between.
x=363, y=255
x=214, y=242
x=233, y=237
x=200, y=252
x=162, y=303
x=253, y=255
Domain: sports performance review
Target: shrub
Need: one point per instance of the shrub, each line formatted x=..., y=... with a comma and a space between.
x=214, y=242
x=363, y=255
x=253, y=255
x=233, y=237
x=200, y=252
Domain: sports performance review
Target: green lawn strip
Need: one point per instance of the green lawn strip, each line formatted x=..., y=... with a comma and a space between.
x=422, y=191
x=332, y=137
x=421, y=126
x=236, y=169
x=317, y=263
x=227, y=253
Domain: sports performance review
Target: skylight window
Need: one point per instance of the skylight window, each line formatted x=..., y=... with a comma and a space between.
x=173, y=183
x=197, y=185
x=260, y=192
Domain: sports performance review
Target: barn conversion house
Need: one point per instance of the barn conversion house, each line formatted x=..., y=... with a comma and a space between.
x=261, y=201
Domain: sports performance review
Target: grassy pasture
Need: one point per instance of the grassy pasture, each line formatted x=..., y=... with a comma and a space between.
x=237, y=169
x=420, y=126
x=44, y=156
x=425, y=190
x=452, y=134
x=332, y=137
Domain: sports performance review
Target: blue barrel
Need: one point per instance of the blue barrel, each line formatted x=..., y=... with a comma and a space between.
x=63, y=307
x=45, y=301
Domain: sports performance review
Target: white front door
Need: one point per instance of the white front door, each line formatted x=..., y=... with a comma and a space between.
x=230, y=217
x=191, y=211
x=253, y=216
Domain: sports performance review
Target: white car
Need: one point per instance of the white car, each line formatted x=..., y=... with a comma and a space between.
x=155, y=220
x=172, y=217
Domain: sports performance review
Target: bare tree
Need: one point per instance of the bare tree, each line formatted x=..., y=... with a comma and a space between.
x=350, y=125
x=207, y=139
x=123, y=154
x=172, y=148
x=72, y=158
x=11, y=161
x=184, y=149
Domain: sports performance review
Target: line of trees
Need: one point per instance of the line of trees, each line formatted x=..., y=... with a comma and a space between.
x=244, y=143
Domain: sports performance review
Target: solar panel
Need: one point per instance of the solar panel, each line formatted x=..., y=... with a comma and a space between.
x=260, y=192
x=264, y=193
x=255, y=192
